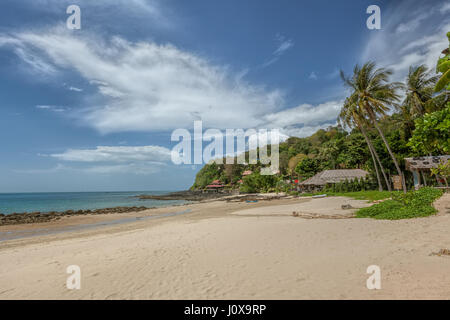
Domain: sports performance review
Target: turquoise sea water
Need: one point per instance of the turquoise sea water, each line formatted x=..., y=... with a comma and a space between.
x=62, y=201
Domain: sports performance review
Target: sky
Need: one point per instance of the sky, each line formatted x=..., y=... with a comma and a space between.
x=94, y=109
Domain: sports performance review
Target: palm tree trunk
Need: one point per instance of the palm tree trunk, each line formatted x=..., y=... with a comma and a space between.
x=388, y=184
x=375, y=154
x=372, y=117
x=380, y=186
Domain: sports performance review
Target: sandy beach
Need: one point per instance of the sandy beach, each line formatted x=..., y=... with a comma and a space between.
x=229, y=250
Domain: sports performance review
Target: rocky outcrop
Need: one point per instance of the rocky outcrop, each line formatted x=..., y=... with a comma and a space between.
x=39, y=217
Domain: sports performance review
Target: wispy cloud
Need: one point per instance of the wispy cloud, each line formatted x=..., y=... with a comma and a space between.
x=313, y=76
x=412, y=24
x=150, y=87
x=52, y=108
x=59, y=167
x=75, y=89
x=284, y=45
x=445, y=8
x=305, y=119
x=149, y=8
x=154, y=154
x=111, y=160
x=409, y=37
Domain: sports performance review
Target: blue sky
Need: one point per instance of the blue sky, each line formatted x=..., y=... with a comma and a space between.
x=93, y=109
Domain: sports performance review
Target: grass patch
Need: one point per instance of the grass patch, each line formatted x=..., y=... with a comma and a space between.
x=414, y=204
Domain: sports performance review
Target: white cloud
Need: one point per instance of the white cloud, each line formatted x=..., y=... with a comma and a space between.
x=75, y=89
x=39, y=65
x=445, y=8
x=148, y=7
x=113, y=160
x=305, y=119
x=52, y=108
x=409, y=38
x=283, y=46
x=307, y=131
x=412, y=24
x=117, y=154
x=151, y=87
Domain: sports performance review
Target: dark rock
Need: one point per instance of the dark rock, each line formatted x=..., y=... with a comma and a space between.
x=39, y=217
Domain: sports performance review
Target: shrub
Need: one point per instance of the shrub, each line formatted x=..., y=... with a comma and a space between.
x=413, y=204
x=259, y=183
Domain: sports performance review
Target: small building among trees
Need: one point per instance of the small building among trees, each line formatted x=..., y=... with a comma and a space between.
x=215, y=186
x=421, y=165
x=327, y=177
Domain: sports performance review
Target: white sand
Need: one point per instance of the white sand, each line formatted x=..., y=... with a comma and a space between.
x=212, y=255
x=320, y=206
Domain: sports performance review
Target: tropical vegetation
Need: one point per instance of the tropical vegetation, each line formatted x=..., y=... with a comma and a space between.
x=380, y=124
x=413, y=204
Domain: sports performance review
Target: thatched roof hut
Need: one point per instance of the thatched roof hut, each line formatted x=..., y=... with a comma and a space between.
x=334, y=176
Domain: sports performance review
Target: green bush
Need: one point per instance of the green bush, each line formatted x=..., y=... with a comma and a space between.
x=349, y=186
x=259, y=183
x=413, y=204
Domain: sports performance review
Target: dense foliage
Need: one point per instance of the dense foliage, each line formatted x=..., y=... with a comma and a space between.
x=443, y=67
x=351, y=185
x=376, y=130
x=259, y=183
x=432, y=133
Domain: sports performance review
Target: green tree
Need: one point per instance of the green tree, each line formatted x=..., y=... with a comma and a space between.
x=259, y=183
x=443, y=66
x=432, y=133
x=419, y=92
x=373, y=92
x=307, y=168
x=351, y=115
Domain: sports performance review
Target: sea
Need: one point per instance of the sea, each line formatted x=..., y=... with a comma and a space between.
x=63, y=201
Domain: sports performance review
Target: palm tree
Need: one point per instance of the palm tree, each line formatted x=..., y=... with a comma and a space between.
x=420, y=98
x=350, y=116
x=419, y=91
x=374, y=94
x=444, y=67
